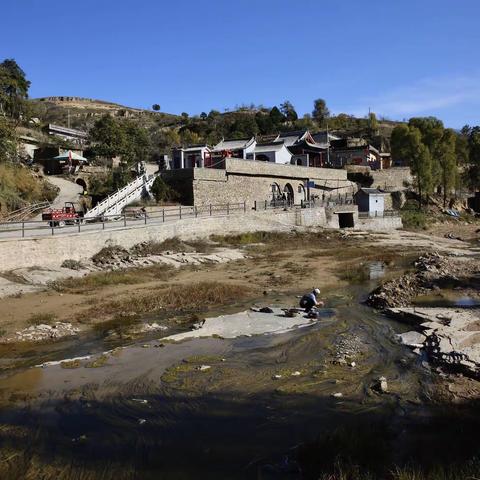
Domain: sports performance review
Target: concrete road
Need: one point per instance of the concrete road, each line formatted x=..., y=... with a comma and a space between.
x=29, y=229
x=69, y=192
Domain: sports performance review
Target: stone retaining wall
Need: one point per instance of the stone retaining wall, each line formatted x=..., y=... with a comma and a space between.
x=251, y=181
x=379, y=224
x=52, y=251
x=394, y=178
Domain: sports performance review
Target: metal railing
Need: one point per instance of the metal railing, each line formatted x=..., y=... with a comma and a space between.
x=139, y=217
x=376, y=214
x=122, y=197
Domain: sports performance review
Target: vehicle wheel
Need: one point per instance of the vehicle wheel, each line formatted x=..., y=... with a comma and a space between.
x=61, y=224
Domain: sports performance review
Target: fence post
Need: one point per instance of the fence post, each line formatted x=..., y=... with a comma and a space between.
x=163, y=215
x=180, y=212
x=255, y=205
x=145, y=216
x=210, y=209
x=124, y=219
x=103, y=222
x=78, y=225
x=196, y=211
x=53, y=232
x=228, y=209
x=265, y=204
x=23, y=229
x=244, y=206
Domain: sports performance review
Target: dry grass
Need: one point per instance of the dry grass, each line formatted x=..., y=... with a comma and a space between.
x=18, y=186
x=95, y=281
x=281, y=239
x=177, y=298
x=42, y=318
x=172, y=245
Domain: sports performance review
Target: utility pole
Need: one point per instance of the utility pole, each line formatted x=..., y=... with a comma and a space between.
x=328, y=148
x=68, y=118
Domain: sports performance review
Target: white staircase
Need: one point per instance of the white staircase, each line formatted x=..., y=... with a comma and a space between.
x=114, y=204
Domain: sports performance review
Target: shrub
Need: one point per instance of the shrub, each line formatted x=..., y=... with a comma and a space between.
x=72, y=264
x=42, y=318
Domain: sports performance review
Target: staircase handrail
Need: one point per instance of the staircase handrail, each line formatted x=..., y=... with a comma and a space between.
x=113, y=201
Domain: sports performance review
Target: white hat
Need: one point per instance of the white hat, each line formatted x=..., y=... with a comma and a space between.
x=316, y=291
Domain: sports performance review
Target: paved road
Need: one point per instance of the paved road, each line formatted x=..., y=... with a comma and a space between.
x=41, y=229
x=69, y=192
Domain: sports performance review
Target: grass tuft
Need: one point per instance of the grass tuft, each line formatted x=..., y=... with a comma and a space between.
x=42, y=318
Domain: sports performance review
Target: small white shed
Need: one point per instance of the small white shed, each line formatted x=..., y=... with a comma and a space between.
x=371, y=200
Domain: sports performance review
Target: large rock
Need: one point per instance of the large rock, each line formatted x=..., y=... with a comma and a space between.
x=431, y=271
x=412, y=339
x=450, y=336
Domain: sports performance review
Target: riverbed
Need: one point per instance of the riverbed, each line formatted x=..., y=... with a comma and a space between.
x=300, y=402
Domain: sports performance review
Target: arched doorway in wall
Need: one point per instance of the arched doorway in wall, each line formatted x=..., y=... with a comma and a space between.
x=302, y=193
x=276, y=192
x=290, y=195
x=82, y=183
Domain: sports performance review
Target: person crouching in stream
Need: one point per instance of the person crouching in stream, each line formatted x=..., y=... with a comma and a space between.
x=310, y=300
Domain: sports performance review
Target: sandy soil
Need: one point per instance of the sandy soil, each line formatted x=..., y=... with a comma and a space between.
x=258, y=274
x=269, y=269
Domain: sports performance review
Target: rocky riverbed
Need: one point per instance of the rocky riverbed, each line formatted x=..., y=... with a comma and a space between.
x=432, y=273
x=448, y=336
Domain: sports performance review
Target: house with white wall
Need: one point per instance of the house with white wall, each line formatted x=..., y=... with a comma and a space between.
x=275, y=152
x=190, y=157
x=371, y=201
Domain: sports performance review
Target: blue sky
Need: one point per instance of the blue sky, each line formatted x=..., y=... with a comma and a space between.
x=401, y=58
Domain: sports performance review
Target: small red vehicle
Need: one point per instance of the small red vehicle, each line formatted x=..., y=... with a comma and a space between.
x=59, y=217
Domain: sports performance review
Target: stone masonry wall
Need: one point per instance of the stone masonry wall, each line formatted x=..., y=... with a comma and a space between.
x=392, y=178
x=252, y=181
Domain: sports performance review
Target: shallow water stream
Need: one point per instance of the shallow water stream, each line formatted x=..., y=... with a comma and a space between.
x=248, y=407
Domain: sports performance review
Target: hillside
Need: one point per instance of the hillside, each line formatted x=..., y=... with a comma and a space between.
x=83, y=112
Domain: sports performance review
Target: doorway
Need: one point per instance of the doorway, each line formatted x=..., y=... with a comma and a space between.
x=345, y=220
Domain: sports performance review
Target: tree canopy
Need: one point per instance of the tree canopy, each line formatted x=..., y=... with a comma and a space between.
x=432, y=151
x=320, y=111
x=111, y=137
x=13, y=89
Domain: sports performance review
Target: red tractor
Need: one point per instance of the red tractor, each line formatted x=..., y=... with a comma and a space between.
x=59, y=217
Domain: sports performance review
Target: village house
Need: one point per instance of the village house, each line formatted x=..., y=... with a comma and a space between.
x=71, y=135
x=306, y=152
x=275, y=152
x=354, y=152
x=191, y=157
x=235, y=148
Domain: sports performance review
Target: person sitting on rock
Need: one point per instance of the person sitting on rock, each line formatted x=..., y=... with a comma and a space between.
x=309, y=300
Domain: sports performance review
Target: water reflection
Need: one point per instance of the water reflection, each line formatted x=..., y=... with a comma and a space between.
x=376, y=270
